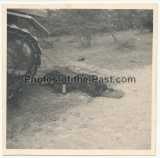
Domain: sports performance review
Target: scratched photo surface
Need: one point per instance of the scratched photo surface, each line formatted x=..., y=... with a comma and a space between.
x=79, y=79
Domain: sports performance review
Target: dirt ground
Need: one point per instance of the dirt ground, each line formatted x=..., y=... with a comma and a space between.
x=46, y=120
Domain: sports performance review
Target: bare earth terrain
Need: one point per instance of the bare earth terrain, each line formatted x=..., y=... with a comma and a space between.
x=46, y=120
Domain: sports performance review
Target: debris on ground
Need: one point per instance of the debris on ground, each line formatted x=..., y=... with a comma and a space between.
x=82, y=59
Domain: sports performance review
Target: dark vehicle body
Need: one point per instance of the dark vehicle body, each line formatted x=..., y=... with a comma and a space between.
x=23, y=50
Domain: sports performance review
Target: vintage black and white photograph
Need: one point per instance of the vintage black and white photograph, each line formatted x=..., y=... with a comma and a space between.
x=80, y=78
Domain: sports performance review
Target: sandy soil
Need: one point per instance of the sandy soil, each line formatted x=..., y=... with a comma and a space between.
x=77, y=121
x=46, y=120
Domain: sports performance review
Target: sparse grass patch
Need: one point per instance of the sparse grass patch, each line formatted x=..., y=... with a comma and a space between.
x=57, y=39
x=103, y=51
x=128, y=42
x=125, y=41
